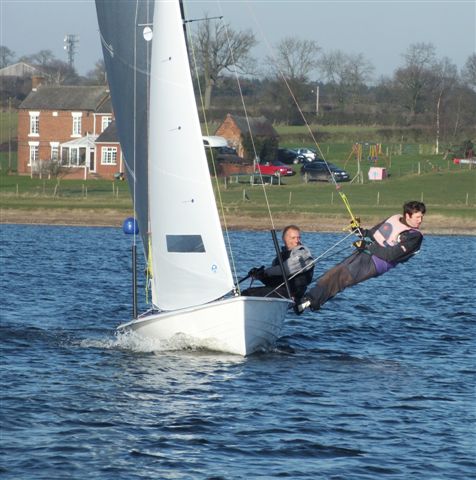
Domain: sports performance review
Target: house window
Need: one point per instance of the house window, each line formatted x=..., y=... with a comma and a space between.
x=76, y=124
x=54, y=151
x=74, y=157
x=34, y=124
x=34, y=153
x=109, y=155
x=105, y=123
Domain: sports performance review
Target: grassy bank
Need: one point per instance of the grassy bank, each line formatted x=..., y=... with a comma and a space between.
x=449, y=190
x=446, y=193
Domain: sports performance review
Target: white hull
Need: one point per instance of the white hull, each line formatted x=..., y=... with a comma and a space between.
x=238, y=325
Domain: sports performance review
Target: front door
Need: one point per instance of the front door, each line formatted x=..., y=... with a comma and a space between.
x=92, y=163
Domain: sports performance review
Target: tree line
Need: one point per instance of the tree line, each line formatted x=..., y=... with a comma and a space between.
x=300, y=83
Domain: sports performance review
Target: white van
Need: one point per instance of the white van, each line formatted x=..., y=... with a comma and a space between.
x=214, y=141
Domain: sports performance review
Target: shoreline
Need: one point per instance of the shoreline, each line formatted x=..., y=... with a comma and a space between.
x=433, y=224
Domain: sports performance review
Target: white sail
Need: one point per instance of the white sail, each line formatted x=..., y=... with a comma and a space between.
x=190, y=265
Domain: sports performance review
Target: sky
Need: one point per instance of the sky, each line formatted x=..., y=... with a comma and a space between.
x=381, y=30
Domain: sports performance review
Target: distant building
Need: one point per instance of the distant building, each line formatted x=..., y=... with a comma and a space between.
x=108, y=149
x=17, y=81
x=21, y=69
x=58, y=127
x=239, y=130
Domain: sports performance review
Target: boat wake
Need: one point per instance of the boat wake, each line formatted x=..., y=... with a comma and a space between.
x=130, y=340
x=134, y=342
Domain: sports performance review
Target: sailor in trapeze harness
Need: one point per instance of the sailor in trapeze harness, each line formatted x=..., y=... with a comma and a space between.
x=379, y=249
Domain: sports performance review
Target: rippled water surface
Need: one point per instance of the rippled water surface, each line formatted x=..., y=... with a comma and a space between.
x=379, y=384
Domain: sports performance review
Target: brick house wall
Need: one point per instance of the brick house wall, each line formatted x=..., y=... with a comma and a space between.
x=235, y=128
x=230, y=130
x=56, y=109
x=108, y=153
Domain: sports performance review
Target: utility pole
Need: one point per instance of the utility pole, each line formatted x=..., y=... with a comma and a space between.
x=9, y=134
x=317, y=99
x=70, y=42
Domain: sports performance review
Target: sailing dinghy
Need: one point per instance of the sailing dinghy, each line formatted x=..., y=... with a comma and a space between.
x=194, y=297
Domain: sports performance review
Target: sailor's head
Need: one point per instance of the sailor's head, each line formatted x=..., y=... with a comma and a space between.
x=413, y=213
x=291, y=236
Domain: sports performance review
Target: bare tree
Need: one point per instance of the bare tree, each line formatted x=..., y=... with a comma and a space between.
x=415, y=77
x=98, y=75
x=61, y=73
x=218, y=48
x=294, y=59
x=42, y=58
x=6, y=56
x=469, y=71
x=445, y=76
x=346, y=73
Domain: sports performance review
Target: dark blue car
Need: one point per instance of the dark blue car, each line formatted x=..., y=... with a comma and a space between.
x=320, y=171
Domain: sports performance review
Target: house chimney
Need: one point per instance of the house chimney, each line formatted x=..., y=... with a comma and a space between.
x=36, y=81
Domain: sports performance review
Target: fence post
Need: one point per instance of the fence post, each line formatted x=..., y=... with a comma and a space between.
x=378, y=198
x=290, y=197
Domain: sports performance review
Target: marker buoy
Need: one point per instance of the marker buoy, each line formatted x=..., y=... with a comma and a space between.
x=130, y=226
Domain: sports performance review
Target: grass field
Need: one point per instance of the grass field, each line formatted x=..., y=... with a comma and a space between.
x=446, y=191
x=451, y=193
x=415, y=173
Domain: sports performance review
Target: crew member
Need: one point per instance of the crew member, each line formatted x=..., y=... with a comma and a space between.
x=298, y=265
x=381, y=248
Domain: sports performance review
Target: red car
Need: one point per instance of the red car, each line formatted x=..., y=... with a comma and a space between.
x=275, y=168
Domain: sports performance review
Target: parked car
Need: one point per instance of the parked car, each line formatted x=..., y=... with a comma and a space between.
x=275, y=167
x=308, y=153
x=288, y=156
x=319, y=171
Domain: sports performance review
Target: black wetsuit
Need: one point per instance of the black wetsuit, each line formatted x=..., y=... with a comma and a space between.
x=294, y=261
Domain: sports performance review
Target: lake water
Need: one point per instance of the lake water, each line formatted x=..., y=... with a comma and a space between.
x=379, y=384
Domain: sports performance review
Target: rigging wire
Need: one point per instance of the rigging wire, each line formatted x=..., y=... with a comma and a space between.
x=220, y=200
x=135, y=114
x=255, y=153
x=245, y=110
x=355, y=223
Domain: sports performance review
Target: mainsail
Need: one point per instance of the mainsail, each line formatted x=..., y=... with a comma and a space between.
x=127, y=60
